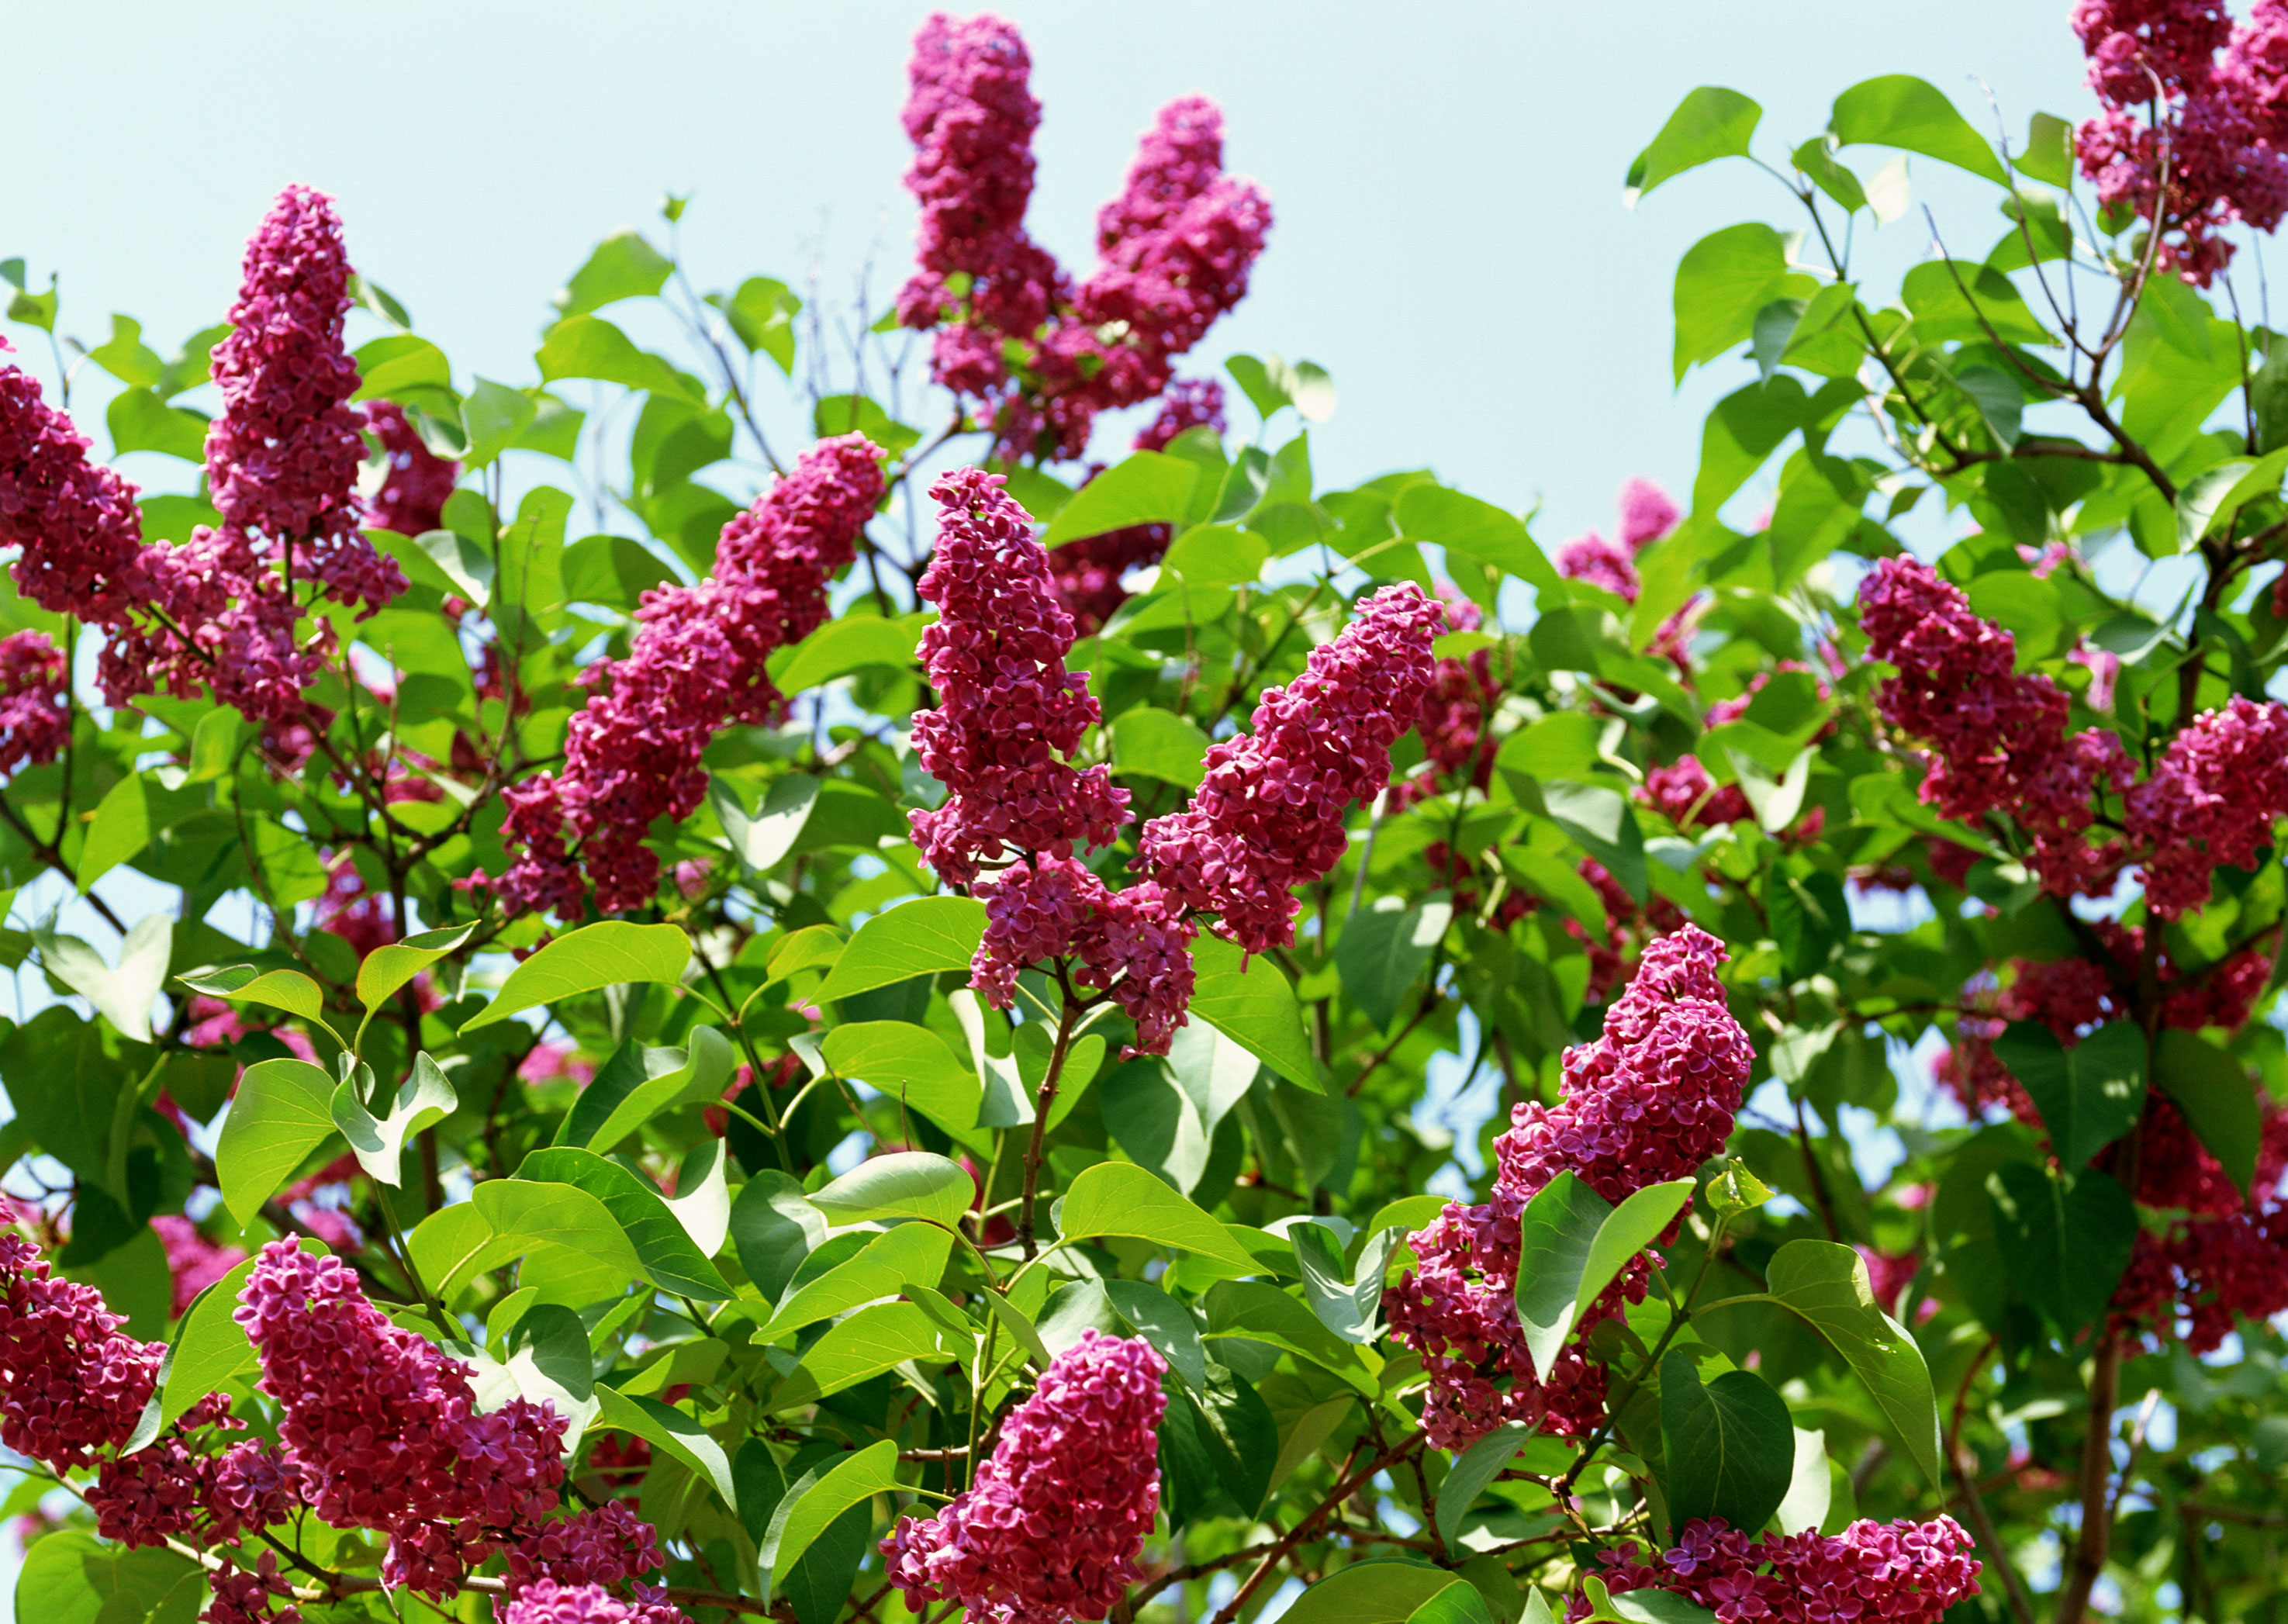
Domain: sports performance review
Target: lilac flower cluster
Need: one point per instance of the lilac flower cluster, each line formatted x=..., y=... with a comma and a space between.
x=605, y=1545
x=631, y=754
x=1900, y=1573
x=1689, y=797
x=1651, y=1099
x=189, y=1482
x=1039, y=357
x=70, y=1384
x=35, y=700
x=384, y=1429
x=414, y=491
x=2213, y=131
x=1269, y=814
x=2212, y=801
x=244, y=1595
x=1050, y=1528
x=1647, y=515
x=545, y=1601
x=1130, y=941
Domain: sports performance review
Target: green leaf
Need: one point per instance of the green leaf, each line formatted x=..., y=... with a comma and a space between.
x=1254, y=1008
x=1811, y=1486
x=1710, y=123
x=666, y=1428
x=495, y=417
x=2212, y=498
x=816, y=1499
x=1233, y=1428
x=1722, y=281
x=2067, y=1241
x=1825, y=1285
x=914, y=938
x=1476, y=531
x=1571, y=1246
x=858, y=414
x=1118, y=1198
x=808, y=948
x=211, y=1348
x=862, y=1346
x=615, y=570
x=1376, y=1591
x=120, y=995
x=126, y=356
x=910, y=1064
x=2049, y=155
x=1600, y=820
x=637, y=1084
x=1814, y=159
x=2088, y=1096
x=1954, y=300
x=1148, y=487
x=1148, y=743
x=1552, y=879
x=523, y=1214
x=1473, y=1470
x=1383, y=950
x=282, y=1111
x=1903, y=111
x=852, y=644
x=1350, y=1311
x=379, y=1143
x=623, y=266
x=2213, y=1090
x=390, y=967
x=1729, y=1447
x=138, y=420
x=591, y=347
x=763, y=840
x=70, y=1577
x=903, y=1184
x=125, y=820
x=1216, y=554
x=663, y=1247
x=773, y=1227
x=1157, y=1318
x=761, y=315
x=1649, y=1605
x=280, y=989
x=904, y=1255
x=611, y=952
x=400, y=364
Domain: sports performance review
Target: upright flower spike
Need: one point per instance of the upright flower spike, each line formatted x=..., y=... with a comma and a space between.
x=282, y=458
x=1269, y=814
x=1592, y=558
x=1050, y=1528
x=1007, y=711
x=384, y=1427
x=1651, y=1099
x=696, y=662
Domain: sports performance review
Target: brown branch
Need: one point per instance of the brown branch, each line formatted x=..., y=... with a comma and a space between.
x=2096, y=1540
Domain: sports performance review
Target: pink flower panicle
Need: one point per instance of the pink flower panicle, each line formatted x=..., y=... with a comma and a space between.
x=35, y=700
x=1130, y=940
x=1269, y=814
x=1648, y=513
x=1050, y=1529
x=2212, y=801
x=545, y=1601
x=188, y=1481
x=631, y=754
x=282, y=458
x=1595, y=560
x=70, y=1384
x=413, y=490
x=78, y=533
x=244, y=1595
x=606, y=1546
x=1651, y=1099
x=1186, y=403
x=194, y=1261
x=1007, y=709
x=1689, y=797
x=384, y=1427
x=1900, y=1573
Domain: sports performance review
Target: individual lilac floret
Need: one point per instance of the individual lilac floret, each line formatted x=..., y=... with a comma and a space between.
x=1050, y=1529
x=70, y=1384
x=1900, y=1573
x=1008, y=711
x=1650, y=1100
x=282, y=458
x=1269, y=814
x=384, y=1429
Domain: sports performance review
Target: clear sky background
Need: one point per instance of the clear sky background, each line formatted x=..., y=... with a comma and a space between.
x=1449, y=239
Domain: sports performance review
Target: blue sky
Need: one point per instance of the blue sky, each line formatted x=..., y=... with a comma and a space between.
x=1449, y=239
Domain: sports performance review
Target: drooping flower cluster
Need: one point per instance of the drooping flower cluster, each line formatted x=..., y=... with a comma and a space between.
x=1999, y=738
x=632, y=753
x=1651, y=1099
x=2212, y=131
x=417, y=480
x=1039, y=357
x=1050, y=1528
x=1900, y=1572
x=70, y=1384
x=1088, y=571
x=1269, y=814
x=1008, y=714
x=1008, y=711
x=384, y=1429
x=244, y=1595
x=35, y=700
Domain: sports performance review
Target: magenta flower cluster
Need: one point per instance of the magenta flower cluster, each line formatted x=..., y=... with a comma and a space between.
x=1050, y=1528
x=190, y=1482
x=696, y=662
x=70, y=1384
x=2211, y=801
x=417, y=481
x=1647, y=515
x=545, y=1601
x=1685, y=794
x=1038, y=356
x=1651, y=1099
x=78, y=533
x=1269, y=814
x=1900, y=1572
x=2215, y=127
x=384, y=1429
x=35, y=700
